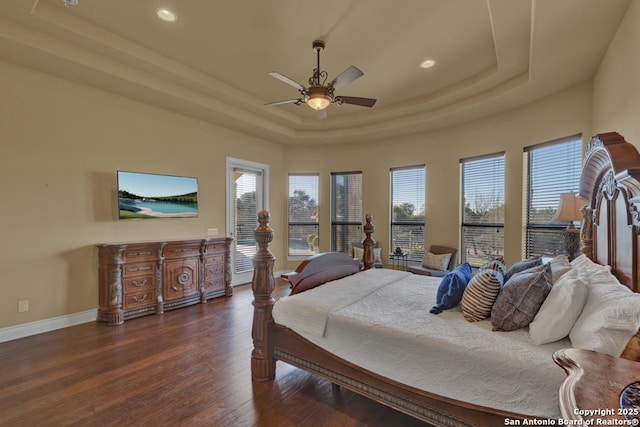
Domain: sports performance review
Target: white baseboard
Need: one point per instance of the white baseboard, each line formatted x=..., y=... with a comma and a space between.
x=46, y=325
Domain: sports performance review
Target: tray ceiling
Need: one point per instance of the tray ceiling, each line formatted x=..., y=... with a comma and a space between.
x=212, y=63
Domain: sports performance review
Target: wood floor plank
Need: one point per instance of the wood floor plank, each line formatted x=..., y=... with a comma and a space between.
x=188, y=367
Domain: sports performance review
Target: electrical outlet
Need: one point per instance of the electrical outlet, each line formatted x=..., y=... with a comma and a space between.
x=213, y=232
x=23, y=305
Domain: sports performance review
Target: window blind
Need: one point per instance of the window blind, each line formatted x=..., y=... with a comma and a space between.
x=482, y=208
x=303, y=214
x=245, y=220
x=346, y=210
x=552, y=168
x=408, y=210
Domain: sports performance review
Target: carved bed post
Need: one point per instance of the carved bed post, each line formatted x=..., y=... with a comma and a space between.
x=368, y=257
x=263, y=367
x=586, y=231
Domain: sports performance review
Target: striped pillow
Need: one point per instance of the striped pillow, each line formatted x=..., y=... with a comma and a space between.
x=482, y=291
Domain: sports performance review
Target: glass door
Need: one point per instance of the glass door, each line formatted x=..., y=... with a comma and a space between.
x=245, y=198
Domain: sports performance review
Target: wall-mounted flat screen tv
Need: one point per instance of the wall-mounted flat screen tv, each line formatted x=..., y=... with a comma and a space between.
x=147, y=195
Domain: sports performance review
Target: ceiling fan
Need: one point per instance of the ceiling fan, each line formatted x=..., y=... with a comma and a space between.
x=319, y=95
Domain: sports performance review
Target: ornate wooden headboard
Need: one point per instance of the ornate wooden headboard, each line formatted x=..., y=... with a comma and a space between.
x=611, y=227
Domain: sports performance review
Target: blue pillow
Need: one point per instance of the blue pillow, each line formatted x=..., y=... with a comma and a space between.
x=451, y=288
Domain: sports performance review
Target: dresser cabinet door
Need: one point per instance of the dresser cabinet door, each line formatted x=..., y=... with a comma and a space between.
x=180, y=278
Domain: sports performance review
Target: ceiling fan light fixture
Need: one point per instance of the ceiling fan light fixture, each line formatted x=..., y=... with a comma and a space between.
x=319, y=98
x=318, y=102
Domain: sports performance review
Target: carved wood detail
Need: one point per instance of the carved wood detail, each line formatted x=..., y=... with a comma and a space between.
x=610, y=184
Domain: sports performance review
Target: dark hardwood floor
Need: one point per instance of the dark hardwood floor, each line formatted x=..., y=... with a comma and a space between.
x=188, y=367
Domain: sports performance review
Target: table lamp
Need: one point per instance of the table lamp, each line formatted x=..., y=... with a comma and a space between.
x=569, y=210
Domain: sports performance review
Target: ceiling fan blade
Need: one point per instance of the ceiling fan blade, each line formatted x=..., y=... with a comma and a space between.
x=346, y=77
x=355, y=100
x=322, y=114
x=286, y=80
x=286, y=101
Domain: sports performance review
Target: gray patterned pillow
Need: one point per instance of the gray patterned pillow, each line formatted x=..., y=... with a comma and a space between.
x=520, y=299
x=559, y=265
x=525, y=264
x=482, y=291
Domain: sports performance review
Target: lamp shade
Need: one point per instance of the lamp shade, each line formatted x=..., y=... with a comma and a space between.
x=569, y=209
x=318, y=102
x=319, y=97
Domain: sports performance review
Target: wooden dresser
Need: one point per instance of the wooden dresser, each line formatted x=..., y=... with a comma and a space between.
x=140, y=278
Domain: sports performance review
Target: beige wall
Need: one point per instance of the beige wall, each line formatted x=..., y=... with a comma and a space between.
x=61, y=146
x=616, y=85
x=563, y=114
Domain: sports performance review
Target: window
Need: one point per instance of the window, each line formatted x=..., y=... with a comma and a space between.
x=552, y=168
x=482, y=208
x=407, y=210
x=346, y=210
x=303, y=214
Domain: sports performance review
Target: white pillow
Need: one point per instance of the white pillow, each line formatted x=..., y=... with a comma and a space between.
x=376, y=254
x=358, y=253
x=560, y=309
x=584, y=263
x=436, y=262
x=610, y=317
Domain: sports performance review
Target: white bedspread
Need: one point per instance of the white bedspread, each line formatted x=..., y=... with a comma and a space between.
x=379, y=319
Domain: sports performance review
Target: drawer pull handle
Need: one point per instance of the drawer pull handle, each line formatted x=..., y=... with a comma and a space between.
x=141, y=253
x=139, y=268
x=137, y=285
x=136, y=299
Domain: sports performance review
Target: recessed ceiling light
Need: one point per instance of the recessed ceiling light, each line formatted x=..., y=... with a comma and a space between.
x=427, y=63
x=167, y=14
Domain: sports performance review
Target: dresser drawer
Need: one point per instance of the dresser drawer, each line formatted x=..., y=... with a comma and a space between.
x=139, y=283
x=214, y=247
x=139, y=253
x=139, y=268
x=181, y=251
x=214, y=283
x=213, y=270
x=139, y=300
x=214, y=259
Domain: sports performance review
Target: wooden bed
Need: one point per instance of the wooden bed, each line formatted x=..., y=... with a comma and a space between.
x=610, y=183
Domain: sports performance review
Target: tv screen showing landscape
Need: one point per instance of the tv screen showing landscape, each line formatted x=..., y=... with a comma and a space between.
x=147, y=195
